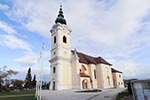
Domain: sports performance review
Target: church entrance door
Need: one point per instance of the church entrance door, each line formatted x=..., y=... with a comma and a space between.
x=85, y=84
x=53, y=85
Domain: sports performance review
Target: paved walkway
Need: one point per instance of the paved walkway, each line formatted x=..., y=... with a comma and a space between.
x=107, y=94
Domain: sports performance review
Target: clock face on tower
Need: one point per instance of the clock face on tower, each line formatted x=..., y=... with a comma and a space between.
x=65, y=53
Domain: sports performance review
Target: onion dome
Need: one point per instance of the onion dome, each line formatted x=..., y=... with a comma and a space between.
x=60, y=18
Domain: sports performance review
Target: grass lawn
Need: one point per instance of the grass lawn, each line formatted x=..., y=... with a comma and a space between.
x=121, y=95
x=14, y=95
x=19, y=98
x=93, y=90
x=18, y=92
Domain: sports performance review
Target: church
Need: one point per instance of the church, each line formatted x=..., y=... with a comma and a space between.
x=71, y=69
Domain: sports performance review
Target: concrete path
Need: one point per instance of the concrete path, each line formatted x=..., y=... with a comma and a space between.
x=107, y=94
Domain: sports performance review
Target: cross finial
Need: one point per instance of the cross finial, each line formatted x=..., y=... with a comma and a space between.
x=60, y=18
x=60, y=5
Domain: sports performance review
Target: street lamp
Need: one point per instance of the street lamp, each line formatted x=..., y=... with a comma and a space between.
x=39, y=78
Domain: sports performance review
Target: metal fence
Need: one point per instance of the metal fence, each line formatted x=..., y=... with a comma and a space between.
x=141, y=89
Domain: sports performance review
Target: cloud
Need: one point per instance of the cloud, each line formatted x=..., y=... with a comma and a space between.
x=132, y=69
x=31, y=59
x=111, y=28
x=28, y=60
x=35, y=18
x=9, y=38
x=4, y=7
x=14, y=42
x=105, y=27
x=34, y=71
x=102, y=22
x=128, y=67
x=145, y=24
x=6, y=28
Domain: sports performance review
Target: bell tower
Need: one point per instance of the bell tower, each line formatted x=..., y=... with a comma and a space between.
x=60, y=54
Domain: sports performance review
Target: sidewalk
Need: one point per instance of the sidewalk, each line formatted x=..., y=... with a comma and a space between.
x=106, y=94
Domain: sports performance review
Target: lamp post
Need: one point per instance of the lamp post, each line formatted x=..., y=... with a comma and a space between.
x=39, y=78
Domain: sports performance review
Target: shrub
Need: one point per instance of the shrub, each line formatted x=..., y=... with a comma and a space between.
x=7, y=89
x=121, y=95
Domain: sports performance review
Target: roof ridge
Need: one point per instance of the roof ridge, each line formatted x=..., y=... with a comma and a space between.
x=114, y=70
x=88, y=55
x=87, y=59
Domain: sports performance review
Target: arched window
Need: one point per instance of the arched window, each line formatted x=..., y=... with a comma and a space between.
x=80, y=70
x=95, y=74
x=85, y=84
x=64, y=39
x=54, y=69
x=53, y=85
x=120, y=76
x=54, y=39
x=108, y=78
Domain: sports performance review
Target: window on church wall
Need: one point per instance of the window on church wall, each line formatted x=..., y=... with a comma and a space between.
x=54, y=39
x=80, y=70
x=108, y=78
x=95, y=74
x=64, y=39
x=54, y=53
x=54, y=70
x=120, y=76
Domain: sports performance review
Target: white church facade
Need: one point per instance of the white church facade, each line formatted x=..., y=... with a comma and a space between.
x=71, y=69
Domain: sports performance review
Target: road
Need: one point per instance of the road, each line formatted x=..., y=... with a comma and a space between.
x=107, y=94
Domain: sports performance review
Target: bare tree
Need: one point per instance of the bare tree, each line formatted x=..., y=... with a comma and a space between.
x=5, y=74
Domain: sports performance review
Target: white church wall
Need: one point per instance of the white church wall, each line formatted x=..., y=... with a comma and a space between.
x=105, y=76
x=94, y=79
x=118, y=79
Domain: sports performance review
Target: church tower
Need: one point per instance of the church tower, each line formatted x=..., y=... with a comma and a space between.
x=60, y=54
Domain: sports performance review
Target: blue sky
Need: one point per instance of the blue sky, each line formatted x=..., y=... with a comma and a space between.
x=117, y=30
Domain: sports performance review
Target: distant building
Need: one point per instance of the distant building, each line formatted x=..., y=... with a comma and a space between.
x=71, y=69
x=127, y=81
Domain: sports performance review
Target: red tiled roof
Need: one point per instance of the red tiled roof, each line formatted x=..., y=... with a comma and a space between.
x=84, y=75
x=83, y=58
x=114, y=70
